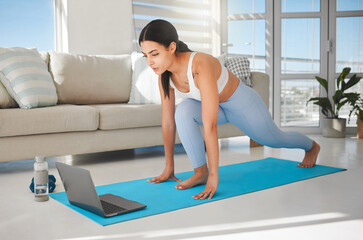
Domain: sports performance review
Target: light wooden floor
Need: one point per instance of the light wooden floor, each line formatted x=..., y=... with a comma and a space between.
x=328, y=207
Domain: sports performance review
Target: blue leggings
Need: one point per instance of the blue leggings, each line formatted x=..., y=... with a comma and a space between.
x=244, y=109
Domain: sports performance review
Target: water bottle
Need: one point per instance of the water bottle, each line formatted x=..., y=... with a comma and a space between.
x=41, y=190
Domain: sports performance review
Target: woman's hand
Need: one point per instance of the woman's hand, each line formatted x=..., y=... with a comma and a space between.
x=167, y=174
x=210, y=188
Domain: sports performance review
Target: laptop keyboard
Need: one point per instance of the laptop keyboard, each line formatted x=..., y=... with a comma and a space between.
x=109, y=208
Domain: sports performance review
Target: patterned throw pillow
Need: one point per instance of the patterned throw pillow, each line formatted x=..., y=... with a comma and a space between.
x=26, y=78
x=240, y=67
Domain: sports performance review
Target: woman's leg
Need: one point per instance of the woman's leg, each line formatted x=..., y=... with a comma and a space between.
x=247, y=111
x=188, y=117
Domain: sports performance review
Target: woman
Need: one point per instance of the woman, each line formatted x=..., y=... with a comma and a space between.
x=213, y=96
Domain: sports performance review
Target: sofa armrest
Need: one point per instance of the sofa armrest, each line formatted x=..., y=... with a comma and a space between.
x=261, y=84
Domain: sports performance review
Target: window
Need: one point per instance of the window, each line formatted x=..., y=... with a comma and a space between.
x=28, y=24
x=349, y=5
x=300, y=45
x=294, y=95
x=347, y=21
x=306, y=53
x=349, y=50
x=299, y=42
x=300, y=6
x=247, y=31
x=292, y=47
x=247, y=38
x=193, y=20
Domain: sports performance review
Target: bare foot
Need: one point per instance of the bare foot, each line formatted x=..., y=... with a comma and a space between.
x=200, y=176
x=310, y=156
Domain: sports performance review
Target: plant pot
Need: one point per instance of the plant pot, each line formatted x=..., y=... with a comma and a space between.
x=359, y=128
x=334, y=127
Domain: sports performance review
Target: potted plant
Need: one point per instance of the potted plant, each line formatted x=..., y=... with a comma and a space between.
x=332, y=125
x=357, y=105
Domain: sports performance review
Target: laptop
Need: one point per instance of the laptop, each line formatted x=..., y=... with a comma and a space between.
x=82, y=193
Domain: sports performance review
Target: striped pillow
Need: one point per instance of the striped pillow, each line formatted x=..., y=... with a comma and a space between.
x=26, y=78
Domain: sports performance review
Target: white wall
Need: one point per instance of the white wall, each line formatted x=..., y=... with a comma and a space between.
x=94, y=26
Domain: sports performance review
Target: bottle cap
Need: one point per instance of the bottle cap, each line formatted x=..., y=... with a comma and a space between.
x=40, y=158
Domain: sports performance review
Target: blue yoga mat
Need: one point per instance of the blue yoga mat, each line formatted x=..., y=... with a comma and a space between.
x=234, y=180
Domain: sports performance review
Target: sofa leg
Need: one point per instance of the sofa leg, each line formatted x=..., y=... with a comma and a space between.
x=254, y=144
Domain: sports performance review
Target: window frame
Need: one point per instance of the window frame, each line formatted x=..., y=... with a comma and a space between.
x=278, y=76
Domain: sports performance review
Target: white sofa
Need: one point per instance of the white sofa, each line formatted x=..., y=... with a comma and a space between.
x=92, y=114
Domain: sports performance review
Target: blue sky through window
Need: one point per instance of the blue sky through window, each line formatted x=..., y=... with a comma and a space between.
x=27, y=23
x=349, y=5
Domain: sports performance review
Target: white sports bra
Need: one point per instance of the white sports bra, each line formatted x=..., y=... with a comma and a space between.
x=194, y=92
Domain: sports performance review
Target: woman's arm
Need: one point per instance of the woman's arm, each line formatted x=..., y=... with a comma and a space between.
x=168, y=125
x=207, y=83
x=168, y=128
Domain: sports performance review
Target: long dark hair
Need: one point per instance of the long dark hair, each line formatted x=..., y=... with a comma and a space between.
x=163, y=32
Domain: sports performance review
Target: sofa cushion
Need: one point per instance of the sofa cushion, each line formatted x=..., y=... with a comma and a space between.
x=118, y=116
x=26, y=78
x=60, y=118
x=6, y=101
x=45, y=57
x=82, y=79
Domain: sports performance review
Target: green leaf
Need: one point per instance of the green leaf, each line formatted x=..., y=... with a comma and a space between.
x=352, y=97
x=342, y=76
x=341, y=104
x=352, y=81
x=323, y=82
x=325, y=105
x=338, y=96
x=317, y=100
x=343, y=85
